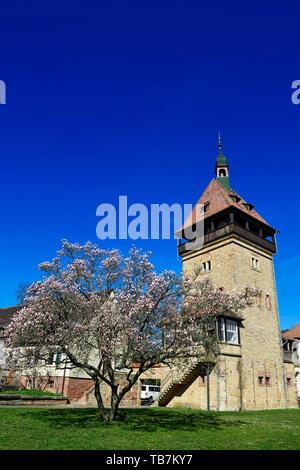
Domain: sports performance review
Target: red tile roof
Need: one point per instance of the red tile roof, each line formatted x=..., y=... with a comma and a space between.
x=292, y=333
x=219, y=199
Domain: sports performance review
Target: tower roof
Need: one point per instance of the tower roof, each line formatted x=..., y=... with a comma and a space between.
x=222, y=167
x=221, y=159
x=216, y=198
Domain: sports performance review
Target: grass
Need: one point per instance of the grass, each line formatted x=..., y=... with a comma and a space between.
x=31, y=393
x=152, y=428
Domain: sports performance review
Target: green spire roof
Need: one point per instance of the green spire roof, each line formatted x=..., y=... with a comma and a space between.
x=221, y=159
x=224, y=180
x=221, y=163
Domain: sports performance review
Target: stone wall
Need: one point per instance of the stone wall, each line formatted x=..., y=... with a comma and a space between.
x=235, y=383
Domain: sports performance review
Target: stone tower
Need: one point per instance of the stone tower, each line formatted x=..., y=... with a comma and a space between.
x=238, y=250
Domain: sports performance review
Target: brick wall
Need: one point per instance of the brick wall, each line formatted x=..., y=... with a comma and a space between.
x=76, y=388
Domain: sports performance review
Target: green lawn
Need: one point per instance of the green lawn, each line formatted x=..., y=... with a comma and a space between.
x=151, y=428
x=31, y=393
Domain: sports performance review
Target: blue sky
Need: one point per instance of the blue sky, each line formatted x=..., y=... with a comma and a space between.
x=128, y=100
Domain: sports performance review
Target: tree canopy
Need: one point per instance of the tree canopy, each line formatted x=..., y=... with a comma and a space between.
x=109, y=313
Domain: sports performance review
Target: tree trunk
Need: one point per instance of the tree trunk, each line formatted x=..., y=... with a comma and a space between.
x=101, y=408
x=107, y=415
x=114, y=404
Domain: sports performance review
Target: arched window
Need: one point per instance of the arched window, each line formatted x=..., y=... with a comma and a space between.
x=222, y=172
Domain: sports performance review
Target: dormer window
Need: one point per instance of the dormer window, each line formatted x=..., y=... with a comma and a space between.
x=205, y=207
x=235, y=198
x=248, y=206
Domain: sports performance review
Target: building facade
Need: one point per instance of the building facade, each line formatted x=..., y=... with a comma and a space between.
x=237, y=252
x=291, y=352
x=7, y=378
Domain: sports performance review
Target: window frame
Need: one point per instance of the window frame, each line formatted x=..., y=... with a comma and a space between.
x=255, y=264
x=268, y=301
x=206, y=207
x=260, y=380
x=205, y=266
x=222, y=329
x=55, y=359
x=264, y=379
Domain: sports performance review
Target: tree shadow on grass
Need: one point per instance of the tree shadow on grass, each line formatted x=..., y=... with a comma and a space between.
x=73, y=417
x=146, y=420
x=177, y=420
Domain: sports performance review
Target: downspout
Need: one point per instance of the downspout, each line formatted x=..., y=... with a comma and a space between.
x=208, y=386
x=64, y=377
x=278, y=323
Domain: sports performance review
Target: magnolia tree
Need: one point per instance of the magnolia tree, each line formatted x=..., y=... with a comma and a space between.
x=109, y=314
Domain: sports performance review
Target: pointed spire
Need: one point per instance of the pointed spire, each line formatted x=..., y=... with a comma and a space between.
x=221, y=157
x=222, y=168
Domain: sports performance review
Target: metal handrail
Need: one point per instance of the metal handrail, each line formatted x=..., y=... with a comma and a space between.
x=178, y=372
x=174, y=376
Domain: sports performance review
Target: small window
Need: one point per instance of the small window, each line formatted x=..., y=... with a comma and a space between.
x=51, y=384
x=57, y=357
x=259, y=299
x=287, y=346
x=260, y=380
x=268, y=380
x=206, y=266
x=143, y=388
x=289, y=381
x=268, y=302
x=255, y=263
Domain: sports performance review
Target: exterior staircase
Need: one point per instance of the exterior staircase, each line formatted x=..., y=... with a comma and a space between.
x=178, y=380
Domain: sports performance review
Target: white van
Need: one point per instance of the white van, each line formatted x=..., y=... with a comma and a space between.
x=150, y=393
